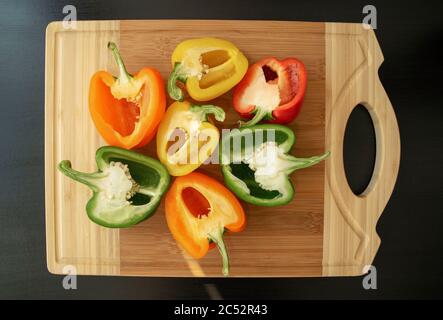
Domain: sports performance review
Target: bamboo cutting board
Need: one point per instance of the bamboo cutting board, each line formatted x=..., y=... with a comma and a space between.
x=325, y=231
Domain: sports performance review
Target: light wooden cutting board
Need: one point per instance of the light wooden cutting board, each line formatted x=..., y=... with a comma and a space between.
x=325, y=231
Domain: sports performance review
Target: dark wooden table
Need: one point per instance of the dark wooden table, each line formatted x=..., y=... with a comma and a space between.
x=410, y=260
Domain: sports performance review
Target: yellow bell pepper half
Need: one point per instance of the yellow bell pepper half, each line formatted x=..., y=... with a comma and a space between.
x=185, y=138
x=209, y=67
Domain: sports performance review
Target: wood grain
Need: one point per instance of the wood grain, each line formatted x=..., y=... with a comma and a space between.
x=72, y=56
x=277, y=241
x=353, y=57
x=323, y=231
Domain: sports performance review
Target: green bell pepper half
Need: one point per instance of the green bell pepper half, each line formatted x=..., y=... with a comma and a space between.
x=127, y=188
x=254, y=177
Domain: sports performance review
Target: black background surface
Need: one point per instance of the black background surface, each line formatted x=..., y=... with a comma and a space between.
x=410, y=259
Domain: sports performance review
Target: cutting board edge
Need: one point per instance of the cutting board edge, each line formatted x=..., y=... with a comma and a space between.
x=356, y=216
x=53, y=258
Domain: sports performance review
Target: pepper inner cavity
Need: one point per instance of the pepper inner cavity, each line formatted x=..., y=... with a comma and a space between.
x=122, y=114
x=270, y=75
x=183, y=149
x=289, y=88
x=245, y=174
x=214, y=58
x=176, y=140
x=178, y=147
x=211, y=60
x=144, y=179
x=262, y=93
x=269, y=165
x=196, y=202
x=117, y=184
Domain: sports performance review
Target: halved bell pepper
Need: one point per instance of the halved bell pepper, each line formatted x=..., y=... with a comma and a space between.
x=209, y=67
x=126, y=110
x=127, y=188
x=272, y=90
x=198, y=211
x=256, y=165
x=197, y=137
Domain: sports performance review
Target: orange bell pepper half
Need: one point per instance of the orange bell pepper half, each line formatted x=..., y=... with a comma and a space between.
x=198, y=211
x=126, y=110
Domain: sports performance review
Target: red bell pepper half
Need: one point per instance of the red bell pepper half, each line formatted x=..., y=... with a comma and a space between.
x=272, y=90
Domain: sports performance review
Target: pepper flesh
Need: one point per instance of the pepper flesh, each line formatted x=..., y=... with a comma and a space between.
x=272, y=90
x=209, y=67
x=198, y=210
x=126, y=110
x=127, y=188
x=259, y=171
x=198, y=140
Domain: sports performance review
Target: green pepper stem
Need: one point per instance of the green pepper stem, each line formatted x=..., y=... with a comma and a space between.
x=82, y=177
x=217, y=238
x=176, y=75
x=207, y=109
x=300, y=163
x=259, y=114
x=124, y=75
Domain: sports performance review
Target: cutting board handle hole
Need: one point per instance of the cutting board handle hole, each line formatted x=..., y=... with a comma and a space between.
x=359, y=149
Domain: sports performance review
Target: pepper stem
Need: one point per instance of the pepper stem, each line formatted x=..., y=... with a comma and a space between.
x=259, y=114
x=124, y=75
x=176, y=75
x=82, y=177
x=217, y=238
x=207, y=109
x=300, y=163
